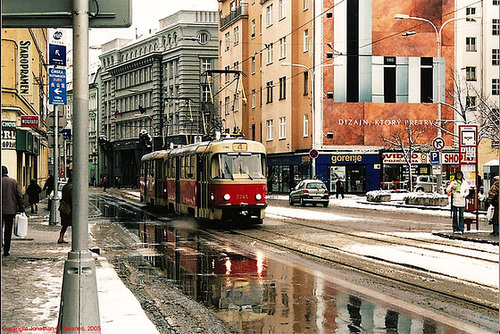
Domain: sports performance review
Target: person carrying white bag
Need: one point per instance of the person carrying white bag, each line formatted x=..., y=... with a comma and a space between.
x=12, y=202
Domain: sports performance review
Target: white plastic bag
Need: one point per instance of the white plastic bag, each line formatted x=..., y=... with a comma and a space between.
x=21, y=225
x=490, y=212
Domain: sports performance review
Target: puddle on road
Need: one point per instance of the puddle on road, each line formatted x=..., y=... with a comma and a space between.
x=256, y=294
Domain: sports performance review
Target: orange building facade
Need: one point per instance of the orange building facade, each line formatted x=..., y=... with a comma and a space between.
x=338, y=78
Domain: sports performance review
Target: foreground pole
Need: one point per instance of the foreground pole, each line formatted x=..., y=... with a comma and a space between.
x=79, y=311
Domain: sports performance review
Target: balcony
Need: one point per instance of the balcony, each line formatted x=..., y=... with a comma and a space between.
x=236, y=14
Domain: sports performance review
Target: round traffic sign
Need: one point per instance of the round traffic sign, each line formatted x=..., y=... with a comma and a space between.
x=438, y=143
x=313, y=153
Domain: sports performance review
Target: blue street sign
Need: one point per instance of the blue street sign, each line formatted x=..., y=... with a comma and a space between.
x=66, y=133
x=57, y=55
x=57, y=86
x=435, y=158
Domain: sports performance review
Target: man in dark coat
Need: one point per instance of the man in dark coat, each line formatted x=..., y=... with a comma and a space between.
x=12, y=202
x=493, y=200
x=33, y=191
x=339, y=188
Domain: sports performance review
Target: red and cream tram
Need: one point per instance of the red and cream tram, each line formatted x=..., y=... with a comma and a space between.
x=218, y=180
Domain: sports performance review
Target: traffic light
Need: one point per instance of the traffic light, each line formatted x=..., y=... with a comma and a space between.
x=145, y=139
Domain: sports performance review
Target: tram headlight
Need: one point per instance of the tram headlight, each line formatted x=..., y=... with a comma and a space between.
x=258, y=197
x=226, y=197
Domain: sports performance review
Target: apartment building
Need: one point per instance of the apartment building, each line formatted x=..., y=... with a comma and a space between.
x=156, y=87
x=270, y=44
x=478, y=63
x=25, y=145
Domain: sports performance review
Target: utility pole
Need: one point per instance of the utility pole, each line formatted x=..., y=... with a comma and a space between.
x=79, y=304
x=54, y=217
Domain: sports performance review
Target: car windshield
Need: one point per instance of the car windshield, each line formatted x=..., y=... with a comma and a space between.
x=237, y=166
x=315, y=185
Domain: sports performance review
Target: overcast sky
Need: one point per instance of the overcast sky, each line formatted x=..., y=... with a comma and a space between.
x=145, y=16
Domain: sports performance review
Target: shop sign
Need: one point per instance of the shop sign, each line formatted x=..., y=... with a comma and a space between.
x=8, y=135
x=346, y=158
x=451, y=158
x=29, y=121
x=399, y=158
x=24, y=67
x=384, y=122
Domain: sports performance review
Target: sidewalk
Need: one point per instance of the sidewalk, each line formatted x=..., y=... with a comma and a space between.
x=32, y=284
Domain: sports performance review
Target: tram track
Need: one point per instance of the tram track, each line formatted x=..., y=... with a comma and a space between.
x=482, y=297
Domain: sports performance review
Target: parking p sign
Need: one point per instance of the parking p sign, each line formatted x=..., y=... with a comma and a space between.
x=435, y=158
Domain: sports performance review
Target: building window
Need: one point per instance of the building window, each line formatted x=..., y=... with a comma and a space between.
x=282, y=128
x=470, y=44
x=470, y=11
x=282, y=4
x=496, y=2
x=205, y=93
x=306, y=40
x=269, y=87
x=253, y=64
x=253, y=98
x=226, y=75
x=206, y=65
x=495, y=86
x=253, y=28
x=306, y=83
x=269, y=15
x=227, y=103
x=282, y=48
x=282, y=88
x=269, y=123
x=270, y=48
x=470, y=103
x=495, y=57
x=236, y=65
x=495, y=29
x=227, y=38
x=470, y=73
x=306, y=4
x=236, y=35
x=305, y=131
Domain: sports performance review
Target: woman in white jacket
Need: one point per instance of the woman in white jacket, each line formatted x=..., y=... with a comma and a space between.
x=459, y=189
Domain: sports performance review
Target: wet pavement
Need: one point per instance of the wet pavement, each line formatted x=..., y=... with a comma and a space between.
x=254, y=291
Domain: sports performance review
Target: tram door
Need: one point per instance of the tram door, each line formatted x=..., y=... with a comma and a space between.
x=202, y=177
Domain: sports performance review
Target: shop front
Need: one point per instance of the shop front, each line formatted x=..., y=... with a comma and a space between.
x=285, y=172
x=359, y=172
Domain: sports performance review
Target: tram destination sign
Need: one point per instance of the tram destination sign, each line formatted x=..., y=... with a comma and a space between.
x=58, y=13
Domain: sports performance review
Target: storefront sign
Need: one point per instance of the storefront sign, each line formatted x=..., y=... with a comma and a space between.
x=8, y=135
x=29, y=121
x=346, y=158
x=399, y=158
x=24, y=67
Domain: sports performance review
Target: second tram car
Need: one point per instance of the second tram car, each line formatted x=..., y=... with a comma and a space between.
x=218, y=180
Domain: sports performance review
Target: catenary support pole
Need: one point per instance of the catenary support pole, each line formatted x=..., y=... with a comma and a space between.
x=54, y=216
x=79, y=311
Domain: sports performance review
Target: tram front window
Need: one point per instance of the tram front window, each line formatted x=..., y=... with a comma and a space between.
x=237, y=166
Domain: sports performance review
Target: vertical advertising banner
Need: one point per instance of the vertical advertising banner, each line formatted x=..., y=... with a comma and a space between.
x=24, y=72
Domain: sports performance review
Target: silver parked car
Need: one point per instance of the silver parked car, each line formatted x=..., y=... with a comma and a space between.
x=309, y=191
x=425, y=183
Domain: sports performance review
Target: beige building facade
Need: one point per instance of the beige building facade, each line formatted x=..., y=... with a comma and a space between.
x=25, y=148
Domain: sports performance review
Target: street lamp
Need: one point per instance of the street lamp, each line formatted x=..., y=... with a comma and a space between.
x=438, y=42
x=316, y=117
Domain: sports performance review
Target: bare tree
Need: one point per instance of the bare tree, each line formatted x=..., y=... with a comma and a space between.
x=405, y=138
x=472, y=107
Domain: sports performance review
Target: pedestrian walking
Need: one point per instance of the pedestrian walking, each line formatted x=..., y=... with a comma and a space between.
x=66, y=208
x=12, y=202
x=49, y=187
x=105, y=183
x=459, y=189
x=33, y=191
x=493, y=200
x=339, y=188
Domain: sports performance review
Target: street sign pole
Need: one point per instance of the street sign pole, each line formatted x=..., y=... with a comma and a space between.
x=53, y=216
x=79, y=304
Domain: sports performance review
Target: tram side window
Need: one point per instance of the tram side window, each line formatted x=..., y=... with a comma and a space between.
x=183, y=167
x=192, y=160
x=172, y=168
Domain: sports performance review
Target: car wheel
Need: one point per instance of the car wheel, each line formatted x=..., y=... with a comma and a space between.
x=325, y=204
x=302, y=203
x=420, y=190
x=290, y=201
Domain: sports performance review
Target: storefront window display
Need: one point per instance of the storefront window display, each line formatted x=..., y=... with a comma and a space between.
x=283, y=178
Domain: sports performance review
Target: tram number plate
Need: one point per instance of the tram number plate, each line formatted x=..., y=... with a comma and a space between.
x=240, y=147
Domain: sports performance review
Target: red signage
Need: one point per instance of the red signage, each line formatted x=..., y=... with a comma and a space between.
x=29, y=121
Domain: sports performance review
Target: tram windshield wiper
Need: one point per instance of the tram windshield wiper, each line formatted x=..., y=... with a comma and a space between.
x=228, y=170
x=243, y=172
